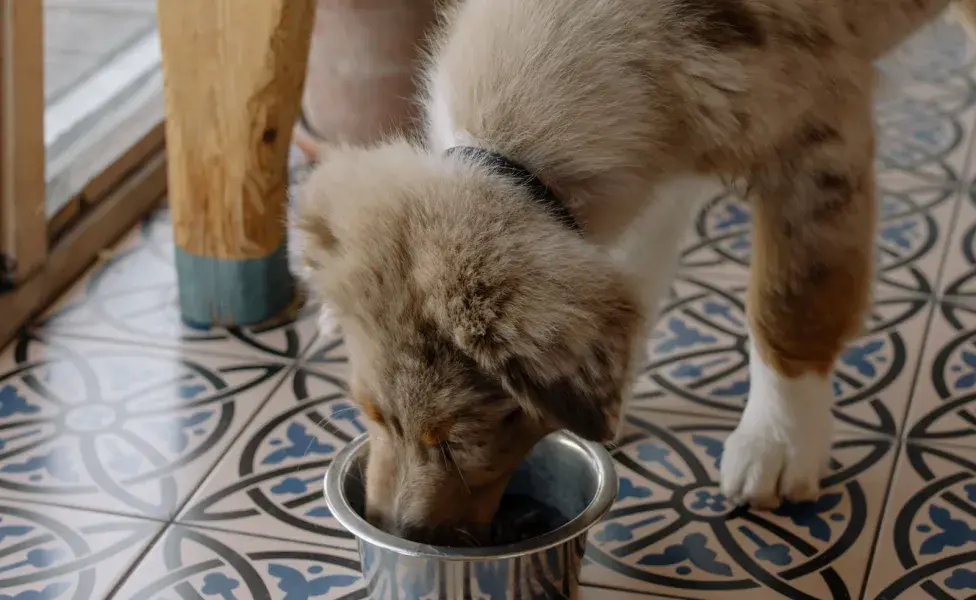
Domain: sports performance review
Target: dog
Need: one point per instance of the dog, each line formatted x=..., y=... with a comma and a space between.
x=496, y=281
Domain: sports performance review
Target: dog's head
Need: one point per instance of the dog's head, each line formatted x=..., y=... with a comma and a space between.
x=475, y=323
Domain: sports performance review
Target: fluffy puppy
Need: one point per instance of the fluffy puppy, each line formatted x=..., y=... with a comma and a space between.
x=496, y=292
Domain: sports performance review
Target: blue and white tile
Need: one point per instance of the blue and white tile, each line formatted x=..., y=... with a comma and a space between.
x=270, y=482
x=939, y=52
x=916, y=215
x=959, y=270
x=927, y=547
x=699, y=358
x=924, y=131
x=116, y=427
x=131, y=296
x=944, y=402
x=49, y=553
x=198, y=563
x=672, y=532
x=924, y=106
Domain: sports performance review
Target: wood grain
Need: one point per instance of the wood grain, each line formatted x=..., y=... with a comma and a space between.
x=81, y=246
x=234, y=71
x=23, y=224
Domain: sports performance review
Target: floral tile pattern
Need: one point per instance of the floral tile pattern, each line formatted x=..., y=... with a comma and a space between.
x=927, y=547
x=959, y=276
x=49, y=553
x=144, y=459
x=274, y=473
x=925, y=117
x=197, y=563
x=131, y=296
x=671, y=528
x=944, y=406
x=194, y=563
x=916, y=214
x=119, y=427
x=699, y=357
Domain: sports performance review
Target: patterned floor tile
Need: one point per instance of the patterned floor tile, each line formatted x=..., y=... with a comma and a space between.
x=596, y=593
x=924, y=127
x=49, y=553
x=924, y=130
x=119, y=427
x=927, y=547
x=131, y=296
x=672, y=532
x=959, y=272
x=274, y=472
x=944, y=401
x=916, y=214
x=699, y=357
x=113, y=404
x=937, y=53
x=194, y=563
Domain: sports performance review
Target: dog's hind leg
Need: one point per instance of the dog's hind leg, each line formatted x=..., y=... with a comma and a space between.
x=814, y=219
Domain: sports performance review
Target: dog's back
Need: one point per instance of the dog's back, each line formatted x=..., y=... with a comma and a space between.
x=476, y=322
x=651, y=87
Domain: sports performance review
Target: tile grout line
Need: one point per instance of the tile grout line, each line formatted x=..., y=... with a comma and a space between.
x=234, y=439
x=872, y=552
x=899, y=441
x=123, y=577
x=172, y=522
x=84, y=509
x=962, y=188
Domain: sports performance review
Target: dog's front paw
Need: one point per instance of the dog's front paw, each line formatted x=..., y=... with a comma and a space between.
x=781, y=447
x=765, y=463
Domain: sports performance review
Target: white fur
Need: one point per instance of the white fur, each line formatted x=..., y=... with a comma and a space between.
x=440, y=125
x=650, y=249
x=781, y=447
x=442, y=132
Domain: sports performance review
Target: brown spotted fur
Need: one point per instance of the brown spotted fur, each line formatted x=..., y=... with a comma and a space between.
x=470, y=313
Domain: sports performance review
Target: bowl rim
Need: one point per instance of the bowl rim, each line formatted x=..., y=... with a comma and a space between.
x=603, y=499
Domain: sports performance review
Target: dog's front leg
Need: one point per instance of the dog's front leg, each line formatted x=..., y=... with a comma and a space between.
x=650, y=250
x=812, y=264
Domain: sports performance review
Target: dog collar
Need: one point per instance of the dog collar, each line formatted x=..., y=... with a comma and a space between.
x=502, y=165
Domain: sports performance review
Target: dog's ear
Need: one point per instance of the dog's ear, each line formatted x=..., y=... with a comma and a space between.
x=576, y=378
x=560, y=334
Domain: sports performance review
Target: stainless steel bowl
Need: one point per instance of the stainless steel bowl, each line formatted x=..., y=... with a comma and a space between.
x=564, y=472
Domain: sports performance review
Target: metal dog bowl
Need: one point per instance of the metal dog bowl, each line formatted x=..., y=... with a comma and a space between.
x=575, y=477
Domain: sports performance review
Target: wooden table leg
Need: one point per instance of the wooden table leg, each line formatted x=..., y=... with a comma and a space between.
x=234, y=71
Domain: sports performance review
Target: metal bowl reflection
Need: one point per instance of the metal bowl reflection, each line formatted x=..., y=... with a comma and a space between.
x=570, y=475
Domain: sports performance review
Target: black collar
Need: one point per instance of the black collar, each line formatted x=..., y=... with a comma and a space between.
x=507, y=167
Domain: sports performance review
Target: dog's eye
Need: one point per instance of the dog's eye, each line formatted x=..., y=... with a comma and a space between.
x=436, y=436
